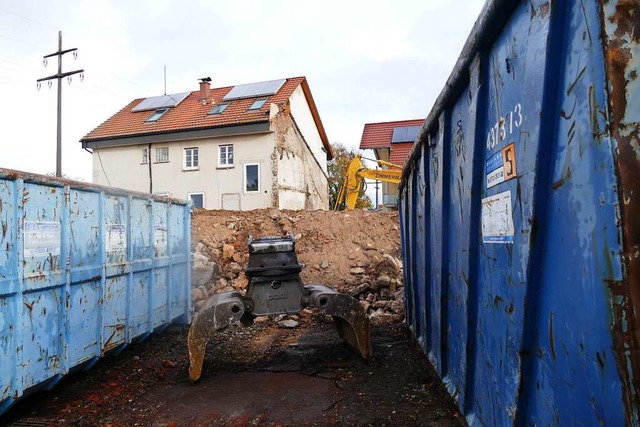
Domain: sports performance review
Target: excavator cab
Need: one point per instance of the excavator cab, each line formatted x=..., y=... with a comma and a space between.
x=275, y=287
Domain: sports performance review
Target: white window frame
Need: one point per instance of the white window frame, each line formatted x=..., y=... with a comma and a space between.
x=145, y=156
x=194, y=164
x=227, y=164
x=245, y=178
x=204, y=204
x=157, y=157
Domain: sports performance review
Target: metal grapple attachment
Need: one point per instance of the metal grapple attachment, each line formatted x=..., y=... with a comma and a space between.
x=275, y=288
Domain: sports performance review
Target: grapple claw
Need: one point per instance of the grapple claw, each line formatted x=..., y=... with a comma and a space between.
x=274, y=288
x=220, y=311
x=348, y=315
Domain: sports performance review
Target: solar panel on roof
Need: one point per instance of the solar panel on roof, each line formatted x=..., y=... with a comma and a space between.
x=254, y=89
x=162, y=101
x=405, y=134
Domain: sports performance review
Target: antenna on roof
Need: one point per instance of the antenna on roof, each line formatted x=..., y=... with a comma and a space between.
x=165, y=79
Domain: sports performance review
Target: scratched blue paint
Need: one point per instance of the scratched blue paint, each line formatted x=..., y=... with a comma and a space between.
x=83, y=270
x=525, y=302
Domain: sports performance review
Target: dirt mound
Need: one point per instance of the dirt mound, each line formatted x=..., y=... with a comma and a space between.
x=355, y=252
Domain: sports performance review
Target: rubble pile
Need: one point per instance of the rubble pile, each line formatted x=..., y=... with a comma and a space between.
x=354, y=252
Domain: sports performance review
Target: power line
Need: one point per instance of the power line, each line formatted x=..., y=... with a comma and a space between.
x=21, y=42
x=59, y=76
x=27, y=18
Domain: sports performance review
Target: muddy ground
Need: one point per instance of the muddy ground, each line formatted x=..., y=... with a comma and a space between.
x=267, y=374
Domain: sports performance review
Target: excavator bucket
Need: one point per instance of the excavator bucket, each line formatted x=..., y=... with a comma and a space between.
x=275, y=288
x=348, y=315
x=220, y=311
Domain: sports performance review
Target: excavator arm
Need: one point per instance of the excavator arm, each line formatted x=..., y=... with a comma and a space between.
x=357, y=173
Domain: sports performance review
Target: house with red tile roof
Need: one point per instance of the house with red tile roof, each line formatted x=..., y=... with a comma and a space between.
x=240, y=147
x=391, y=142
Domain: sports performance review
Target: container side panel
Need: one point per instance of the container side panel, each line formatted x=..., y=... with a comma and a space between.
x=114, y=302
x=142, y=264
x=141, y=239
x=621, y=20
x=7, y=346
x=180, y=262
x=435, y=246
x=114, y=312
x=410, y=291
x=515, y=87
x=43, y=282
x=460, y=183
x=403, y=207
x=84, y=308
x=160, y=263
x=8, y=238
x=41, y=331
x=417, y=265
x=160, y=287
x=421, y=242
x=9, y=286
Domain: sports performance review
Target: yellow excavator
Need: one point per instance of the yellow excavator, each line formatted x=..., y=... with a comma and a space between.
x=357, y=173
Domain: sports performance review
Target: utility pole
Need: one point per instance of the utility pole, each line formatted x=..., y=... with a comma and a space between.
x=59, y=76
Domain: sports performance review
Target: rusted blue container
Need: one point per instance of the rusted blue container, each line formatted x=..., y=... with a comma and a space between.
x=84, y=270
x=520, y=217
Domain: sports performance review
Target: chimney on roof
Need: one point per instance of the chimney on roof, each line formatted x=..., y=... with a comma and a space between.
x=205, y=89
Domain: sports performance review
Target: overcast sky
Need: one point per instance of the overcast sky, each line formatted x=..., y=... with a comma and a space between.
x=366, y=61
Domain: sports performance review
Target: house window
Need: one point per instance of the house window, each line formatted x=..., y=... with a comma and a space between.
x=252, y=178
x=191, y=158
x=197, y=199
x=145, y=156
x=218, y=109
x=157, y=114
x=257, y=104
x=162, y=155
x=226, y=155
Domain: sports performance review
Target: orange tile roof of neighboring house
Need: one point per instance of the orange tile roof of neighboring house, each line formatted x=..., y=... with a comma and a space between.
x=400, y=153
x=191, y=114
x=378, y=135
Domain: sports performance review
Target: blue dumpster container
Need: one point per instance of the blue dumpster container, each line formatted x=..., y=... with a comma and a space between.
x=520, y=217
x=84, y=270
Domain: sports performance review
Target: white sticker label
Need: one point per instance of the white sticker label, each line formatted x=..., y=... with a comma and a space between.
x=41, y=238
x=116, y=237
x=497, y=220
x=160, y=237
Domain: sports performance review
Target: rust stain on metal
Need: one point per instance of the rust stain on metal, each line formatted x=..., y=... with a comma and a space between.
x=621, y=36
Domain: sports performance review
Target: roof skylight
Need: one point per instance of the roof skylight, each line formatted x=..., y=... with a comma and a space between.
x=156, y=115
x=218, y=109
x=257, y=104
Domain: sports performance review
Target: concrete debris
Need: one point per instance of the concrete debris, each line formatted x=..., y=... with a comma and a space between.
x=288, y=324
x=356, y=270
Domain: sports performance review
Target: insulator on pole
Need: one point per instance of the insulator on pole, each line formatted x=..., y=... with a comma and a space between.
x=75, y=54
x=81, y=77
x=49, y=83
x=38, y=85
x=69, y=79
x=45, y=62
